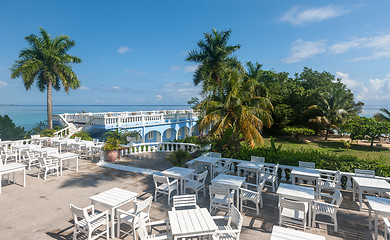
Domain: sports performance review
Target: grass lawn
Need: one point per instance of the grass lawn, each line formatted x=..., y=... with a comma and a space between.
x=333, y=146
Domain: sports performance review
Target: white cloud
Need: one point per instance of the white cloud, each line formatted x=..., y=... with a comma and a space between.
x=112, y=89
x=139, y=73
x=300, y=15
x=301, y=50
x=183, y=53
x=190, y=68
x=124, y=49
x=158, y=97
x=175, y=67
x=84, y=88
x=3, y=84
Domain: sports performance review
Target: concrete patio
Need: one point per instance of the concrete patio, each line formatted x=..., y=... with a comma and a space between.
x=41, y=209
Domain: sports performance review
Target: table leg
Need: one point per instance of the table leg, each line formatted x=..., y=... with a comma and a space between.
x=238, y=197
x=60, y=166
x=1, y=179
x=309, y=218
x=354, y=190
x=24, y=177
x=293, y=179
x=112, y=223
x=360, y=199
x=369, y=218
x=77, y=163
x=376, y=225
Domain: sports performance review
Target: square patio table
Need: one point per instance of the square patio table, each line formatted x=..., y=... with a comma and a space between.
x=304, y=174
x=112, y=199
x=379, y=206
x=12, y=168
x=65, y=156
x=281, y=233
x=19, y=149
x=180, y=173
x=208, y=161
x=251, y=167
x=231, y=182
x=59, y=143
x=298, y=193
x=41, y=140
x=191, y=223
x=368, y=184
x=46, y=150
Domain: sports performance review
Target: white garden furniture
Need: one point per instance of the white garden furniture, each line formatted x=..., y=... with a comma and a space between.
x=331, y=182
x=184, y=201
x=208, y=162
x=197, y=183
x=309, y=165
x=328, y=209
x=378, y=206
x=270, y=175
x=61, y=157
x=257, y=159
x=362, y=184
x=46, y=165
x=144, y=234
x=141, y=210
x=7, y=154
x=247, y=168
x=365, y=173
x=281, y=233
x=191, y=223
x=293, y=211
x=164, y=186
x=307, y=174
x=230, y=182
x=113, y=199
x=87, y=222
x=179, y=173
x=215, y=154
x=233, y=227
x=251, y=195
x=387, y=228
x=12, y=168
x=222, y=168
x=43, y=152
x=29, y=158
x=220, y=198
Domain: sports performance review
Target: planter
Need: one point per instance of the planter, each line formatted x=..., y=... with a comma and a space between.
x=112, y=155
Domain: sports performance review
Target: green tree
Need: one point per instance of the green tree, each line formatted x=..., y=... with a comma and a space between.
x=47, y=63
x=383, y=117
x=9, y=131
x=235, y=108
x=214, y=56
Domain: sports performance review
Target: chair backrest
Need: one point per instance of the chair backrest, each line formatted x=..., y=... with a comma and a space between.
x=365, y=173
x=261, y=186
x=235, y=217
x=202, y=176
x=42, y=161
x=144, y=206
x=337, y=176
x=218, y=190
x=309, y=165
x=291, y=204
x=79, y=213
x=228, y=164
x=160, y=180
x=215, y=154
x=257, y=159
x=188, y=200
x=337, y=198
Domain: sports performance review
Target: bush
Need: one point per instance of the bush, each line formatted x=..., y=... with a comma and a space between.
x=47, y=133
x=298, y=131
x=229, y=143
x=83, y=135
x=179, y=157
x=199, y=140
x=111, y=144
x=9, y=131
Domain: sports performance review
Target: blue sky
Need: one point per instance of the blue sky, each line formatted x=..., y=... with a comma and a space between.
x=133, y=51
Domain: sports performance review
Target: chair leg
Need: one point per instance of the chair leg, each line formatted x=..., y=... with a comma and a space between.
x=257, y=208
x=75, y=234
x=335, y=223
x=241, y=204
x=118, y=228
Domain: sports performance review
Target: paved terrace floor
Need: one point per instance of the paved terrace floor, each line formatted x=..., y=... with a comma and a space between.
x=41, y=209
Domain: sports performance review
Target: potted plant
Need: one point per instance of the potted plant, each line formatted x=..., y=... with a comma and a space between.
x=111, y=147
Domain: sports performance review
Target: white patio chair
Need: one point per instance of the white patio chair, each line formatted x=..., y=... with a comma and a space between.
x=293, y=211
x=46, y=165
x=29, y=158
x=140, y=210
x=220, y=197
x=164, y=186
x=365, y=173
x=387, y=228
x=143, y=232
x=8, y=154
x=309, y=165
x=184, y=201
x=197, y=183
x=331, y=182
x=222, y=169
x=257, y=159
x=233, y=227
x=87, y=222
x=254, y=196
x=328, y=209
x=270, y=175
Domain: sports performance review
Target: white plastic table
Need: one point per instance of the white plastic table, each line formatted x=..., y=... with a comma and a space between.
x=208, y=161
x=231, y=182
x=191, y=223
x=65, y=156
x=113, y=199
x=59, y=143
x=12, y=168
x=45, y=151
x=304, y=174
x=251, y=167
x=379, y=206
x=368, y=184
x=281, y=233
x=298, y=193
x=180, y=173
x=20, y=149
x=41, y=140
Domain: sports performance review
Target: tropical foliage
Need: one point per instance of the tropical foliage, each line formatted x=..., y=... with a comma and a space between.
x=298, y=131
x=9, y=131
x=122, y=136
x=111, y=144
x=82, y=135
x=179, y=157
x=47, y=63
x=383, y=117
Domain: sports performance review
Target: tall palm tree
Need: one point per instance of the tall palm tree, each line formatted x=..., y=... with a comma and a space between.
x=214, y=56
x=381, y=117
x=333, y=108
x=236, y=108
x=47, y=63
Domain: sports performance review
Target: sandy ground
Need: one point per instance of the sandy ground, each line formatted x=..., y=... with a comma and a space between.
x=41, y=209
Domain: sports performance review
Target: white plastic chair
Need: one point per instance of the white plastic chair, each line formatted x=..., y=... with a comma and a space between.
x=270, y=175
x=197, y=184
x=331, y=182
x=293, y=211
x=328, y=209
x=87, y=223
x=7, y=154
x=309, y=165
x=220, y=169
x=233, y=227
x=387, y=228
x=164, y=186
x=220, y=197
x=29, y=158
x=144, y=234
x=140, y=210
x=257, y=159
x=184, y=201
x=46, y=165
x=253, y=196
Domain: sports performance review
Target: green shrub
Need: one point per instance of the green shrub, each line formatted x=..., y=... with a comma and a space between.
x=111, y=144
x=47, y=133
x=298, y=131
x=229, y=143
x=9, y=131
x=83, y=135
x=199, y=140
x=179, y=157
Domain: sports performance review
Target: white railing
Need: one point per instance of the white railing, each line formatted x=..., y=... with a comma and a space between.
x=137, y=148
x=65, y=131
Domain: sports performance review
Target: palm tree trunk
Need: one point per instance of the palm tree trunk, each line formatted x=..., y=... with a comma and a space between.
x=327, y=133
x=49, y=106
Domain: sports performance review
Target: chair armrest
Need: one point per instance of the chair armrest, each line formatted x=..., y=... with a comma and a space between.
x=324, y=203
x=219, y=217
x=105, y=213
x=157, y=223
x=247, y=190
x=228, y=231
x=124, y=212
x=176, y=181
x=326, y=179
x=323, y=195
x=92, y=207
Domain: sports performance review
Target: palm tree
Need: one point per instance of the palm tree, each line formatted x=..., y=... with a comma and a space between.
x=214, y=56
x=236, y=108
x=381, y=117
x=333, y=108
x=47, y=63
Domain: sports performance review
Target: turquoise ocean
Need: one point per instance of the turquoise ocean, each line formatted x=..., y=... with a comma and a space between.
x=28, y=115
